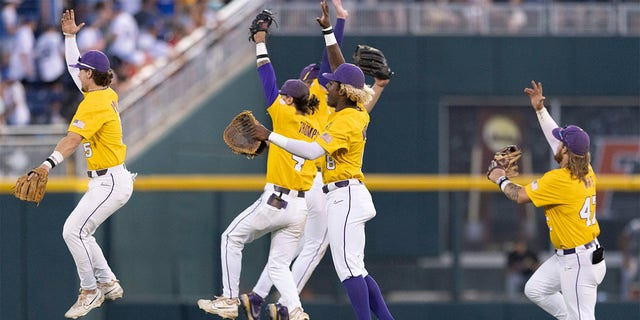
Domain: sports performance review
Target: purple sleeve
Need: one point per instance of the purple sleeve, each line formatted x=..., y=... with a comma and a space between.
x=325, y=67
x=268, y=78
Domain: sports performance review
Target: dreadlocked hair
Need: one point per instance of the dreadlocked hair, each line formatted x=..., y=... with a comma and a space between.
x=361, y=96
x=579, y=165
x=103, y=78
x=307, y=104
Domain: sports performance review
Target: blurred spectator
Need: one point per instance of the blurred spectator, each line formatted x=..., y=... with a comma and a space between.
x=51, y=12
x=521, y=264
x=148, y=14
x=122, y=43
x=49, y=53
x=10, y=18
x=16, y=109
x=151, y=42
x=629, y=243
x=122, y=36
x=21, y=59
x=91, y=37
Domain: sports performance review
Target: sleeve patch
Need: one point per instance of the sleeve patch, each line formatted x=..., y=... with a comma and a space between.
x=534, y=185
x=326, y=137
x=78, y=123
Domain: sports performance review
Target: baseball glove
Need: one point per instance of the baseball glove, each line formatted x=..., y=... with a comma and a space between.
x=32, y=189
x=372, y=62
x=261, y=22
x=506, y=159
x=238, y=137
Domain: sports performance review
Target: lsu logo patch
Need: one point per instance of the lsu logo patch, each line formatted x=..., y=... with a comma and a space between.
x=326, y=137
x=78, y=123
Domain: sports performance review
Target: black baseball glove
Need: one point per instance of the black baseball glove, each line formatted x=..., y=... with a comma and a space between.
x=372, y=62
x=261, y=22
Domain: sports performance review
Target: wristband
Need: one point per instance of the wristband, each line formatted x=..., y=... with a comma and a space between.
x=502, y=182
x=69, y=35
x=54, y=159
x=261, y=52
x=327, y=30
x=329, y=37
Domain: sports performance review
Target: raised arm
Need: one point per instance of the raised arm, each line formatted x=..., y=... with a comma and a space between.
x=338, y=31
x=333, y=49
x=547, y=124
x=265, y=69
x=71, y=51
x=377, y=87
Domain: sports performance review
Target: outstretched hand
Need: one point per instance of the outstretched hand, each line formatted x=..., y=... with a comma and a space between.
x=68, y=22
x=259, y=132
x=535, y=94
x=324, y=20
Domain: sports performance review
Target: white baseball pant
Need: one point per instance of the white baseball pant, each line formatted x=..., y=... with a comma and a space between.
x=106, y=194
x=285, y=225
x=348, y=209
x=565, y=286
x=311, y=247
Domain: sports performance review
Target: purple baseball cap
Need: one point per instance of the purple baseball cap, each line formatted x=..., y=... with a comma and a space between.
x=94, y=60
x=309, y=72
x=576, y=139
x=294, y=88
x=347, y=73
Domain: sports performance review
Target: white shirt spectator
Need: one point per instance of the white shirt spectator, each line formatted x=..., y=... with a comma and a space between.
x=90, y=38
x=10, y=17
x=50, y=55
x=21, y=60
x=16, y=104
x=124, y=31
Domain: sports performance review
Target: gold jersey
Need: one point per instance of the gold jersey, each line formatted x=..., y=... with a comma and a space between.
x=283, y=168
x=344, y=138
x=569, y=206
x=98, y=122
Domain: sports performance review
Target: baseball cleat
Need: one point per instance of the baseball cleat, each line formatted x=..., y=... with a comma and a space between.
x=85, y=303
x=252, y=304
x=227, y=308
x=111, y=290
x=298, y=314
x=277, y=311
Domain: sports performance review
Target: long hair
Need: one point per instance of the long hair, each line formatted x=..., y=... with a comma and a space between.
x=578, y=165
x=362, y=96
x=307, y=104
x=103, y=79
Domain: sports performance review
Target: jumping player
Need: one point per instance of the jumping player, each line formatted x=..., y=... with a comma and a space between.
x=349, y=203
x=566, y=284
x=96, y=126
x=282, y=209
x=314, y=241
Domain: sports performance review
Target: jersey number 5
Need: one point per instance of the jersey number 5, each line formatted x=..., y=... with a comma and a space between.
x=585, y=212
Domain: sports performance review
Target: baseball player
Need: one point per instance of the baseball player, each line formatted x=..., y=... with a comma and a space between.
x=96, y=126
x=349, y=204
x=566, y=284
x=314, y=241
x=282, y=209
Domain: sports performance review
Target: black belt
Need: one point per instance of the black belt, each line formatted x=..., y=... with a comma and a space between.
x=573, y=250
x=338, y=184
x=98, y=173
x=286, y=191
